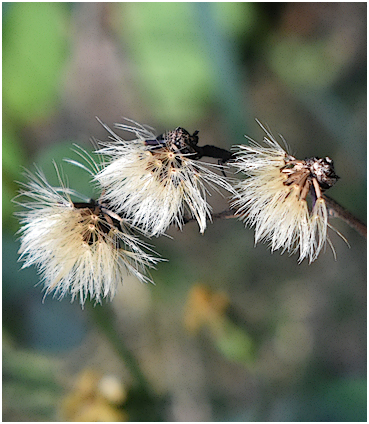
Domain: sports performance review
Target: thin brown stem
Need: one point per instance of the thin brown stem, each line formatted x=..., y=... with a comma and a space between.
x=338, y=211
x=335, y=210
x=227, y=214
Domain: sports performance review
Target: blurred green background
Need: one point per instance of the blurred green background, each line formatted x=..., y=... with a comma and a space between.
x=229, y=332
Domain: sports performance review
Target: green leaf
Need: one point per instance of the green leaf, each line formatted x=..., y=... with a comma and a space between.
x=34, y=50
x=235, y=344
x=173, y=67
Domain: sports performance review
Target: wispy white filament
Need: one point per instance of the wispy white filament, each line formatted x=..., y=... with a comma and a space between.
x=278, y=212
x=153, y=185
x=76, y=250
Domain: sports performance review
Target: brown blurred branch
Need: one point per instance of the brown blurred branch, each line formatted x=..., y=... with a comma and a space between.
x=227, y=214
x=337, y=211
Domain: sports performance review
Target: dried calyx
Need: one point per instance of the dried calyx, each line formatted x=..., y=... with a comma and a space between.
x=102, y=221
x=181, y=141
x=314, y=173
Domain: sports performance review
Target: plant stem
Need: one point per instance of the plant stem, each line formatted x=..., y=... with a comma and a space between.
x=335, y=210
x=104, y=318
x=338, y=211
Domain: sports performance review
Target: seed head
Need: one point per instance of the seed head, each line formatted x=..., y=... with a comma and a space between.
x=282, y=197
x=153, y=181
x=79, y=248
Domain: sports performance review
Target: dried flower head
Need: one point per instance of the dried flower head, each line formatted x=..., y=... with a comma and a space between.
x=79, y=248
x=153, y=181
x=274, y=197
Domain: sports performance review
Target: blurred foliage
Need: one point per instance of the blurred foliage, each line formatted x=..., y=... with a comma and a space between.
x=72, y=175
x=30, y=385
x=13, y=156
x=207, y=309
x=261, y=338
x=94, y=398
x=338, y=400
x=33, y=59
x=153, y=27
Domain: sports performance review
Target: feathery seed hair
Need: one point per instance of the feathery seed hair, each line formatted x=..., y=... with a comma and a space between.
x=154, y=180
x=273, y=198
x=79, y=248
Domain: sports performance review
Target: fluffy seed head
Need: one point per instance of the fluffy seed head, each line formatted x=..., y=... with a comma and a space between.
x=273, y=197
x=79, y=248
x=154, y=180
